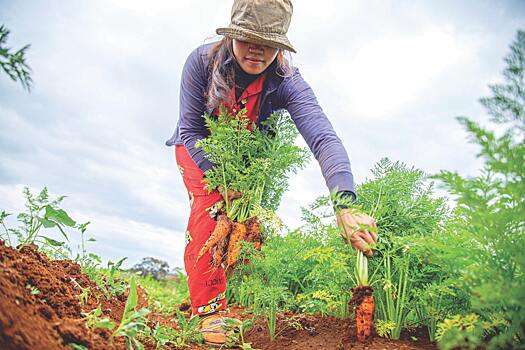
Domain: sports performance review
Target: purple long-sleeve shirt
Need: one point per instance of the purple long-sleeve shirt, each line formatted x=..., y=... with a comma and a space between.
x=291, y=93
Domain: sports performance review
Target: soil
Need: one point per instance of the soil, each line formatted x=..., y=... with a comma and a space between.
x=52, y=318
x=298, y=332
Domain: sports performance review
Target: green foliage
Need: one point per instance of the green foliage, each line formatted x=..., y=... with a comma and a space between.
x=238, y=337
x=392, y=302
x=407, y=213
x=41, y=212
x=186, y=333
x=436, y=301
x=110, y=280
x=254, y=162
x=133, y=324
x=166, y=294
x=483, y=247
x=94, y=320
x=188, y=330
x=304, y=271
x=14, y=63
x=507, y=103
x=385, y=328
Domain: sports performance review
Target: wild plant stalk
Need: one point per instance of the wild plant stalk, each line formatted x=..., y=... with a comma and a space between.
x=133, y=323
x=3, y=216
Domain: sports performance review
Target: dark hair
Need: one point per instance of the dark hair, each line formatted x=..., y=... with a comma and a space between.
x=222, y=71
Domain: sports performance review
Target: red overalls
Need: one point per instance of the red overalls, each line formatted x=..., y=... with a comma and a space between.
x=207, y=286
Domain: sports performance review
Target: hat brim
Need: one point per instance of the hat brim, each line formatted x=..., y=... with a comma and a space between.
x=279, y=41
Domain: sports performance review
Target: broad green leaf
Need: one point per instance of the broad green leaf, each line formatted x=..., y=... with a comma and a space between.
x=59, y=216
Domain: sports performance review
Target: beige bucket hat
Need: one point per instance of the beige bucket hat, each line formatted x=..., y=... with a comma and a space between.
x=264, y=22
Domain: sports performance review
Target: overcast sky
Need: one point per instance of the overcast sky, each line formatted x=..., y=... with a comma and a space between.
x=390, y=75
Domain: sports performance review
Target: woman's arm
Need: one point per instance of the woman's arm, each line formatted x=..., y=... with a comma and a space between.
x=192, y=107
x=318, y=133
x=329, y=151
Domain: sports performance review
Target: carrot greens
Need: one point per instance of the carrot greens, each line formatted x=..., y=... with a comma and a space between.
x=254, y=161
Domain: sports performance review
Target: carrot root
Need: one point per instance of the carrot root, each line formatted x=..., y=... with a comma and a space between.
x=234, y=248
x=254, y=235
x=364, y=315
x=221, y=231
x=363, y=302
x=219, y=252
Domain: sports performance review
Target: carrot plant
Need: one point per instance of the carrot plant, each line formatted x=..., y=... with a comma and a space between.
x=407, y=213
x=393, y=301
x=253, y=161
x=489, y=224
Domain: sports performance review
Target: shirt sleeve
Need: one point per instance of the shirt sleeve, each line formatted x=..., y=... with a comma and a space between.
x=192, y=107
x=318, y=133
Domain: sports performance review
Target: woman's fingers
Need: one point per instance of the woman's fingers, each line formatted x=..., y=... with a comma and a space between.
x=367, y=237
x=354, y=228
x=359, y=243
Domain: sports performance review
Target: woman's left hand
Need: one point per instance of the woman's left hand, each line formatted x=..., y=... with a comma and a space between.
x=363, y=239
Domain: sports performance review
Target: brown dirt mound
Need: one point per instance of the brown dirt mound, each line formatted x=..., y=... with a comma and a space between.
x=51, y=318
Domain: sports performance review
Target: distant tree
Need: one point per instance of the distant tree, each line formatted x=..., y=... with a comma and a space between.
x=154, y=267
x=14, y=64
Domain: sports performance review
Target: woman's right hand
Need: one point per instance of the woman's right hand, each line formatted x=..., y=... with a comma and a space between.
x=231, y=195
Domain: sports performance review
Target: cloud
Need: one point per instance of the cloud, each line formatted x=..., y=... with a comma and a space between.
x=390, y=75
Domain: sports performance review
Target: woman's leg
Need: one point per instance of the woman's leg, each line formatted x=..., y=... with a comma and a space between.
x=207, y=286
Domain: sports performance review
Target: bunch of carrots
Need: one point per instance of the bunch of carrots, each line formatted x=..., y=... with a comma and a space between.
x=224, y=241
x=254, y=161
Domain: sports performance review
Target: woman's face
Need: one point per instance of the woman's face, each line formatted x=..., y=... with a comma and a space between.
x=253, y=58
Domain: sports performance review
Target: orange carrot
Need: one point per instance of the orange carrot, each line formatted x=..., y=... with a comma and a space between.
x=364, y=315
x=253, y=226
x=363, y=300
x=222, y=230
x=234, y=248
x=219, y=253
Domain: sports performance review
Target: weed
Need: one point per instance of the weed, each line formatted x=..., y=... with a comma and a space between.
x=34, y=290
x=93, y=319
x=133, y=324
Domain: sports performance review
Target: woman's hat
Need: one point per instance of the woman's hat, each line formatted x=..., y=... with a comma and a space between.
x=264, y=22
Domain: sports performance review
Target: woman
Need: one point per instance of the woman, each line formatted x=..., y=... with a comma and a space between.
x=247, y=69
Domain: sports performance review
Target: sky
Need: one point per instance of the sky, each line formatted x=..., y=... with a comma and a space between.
x=390, y=75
